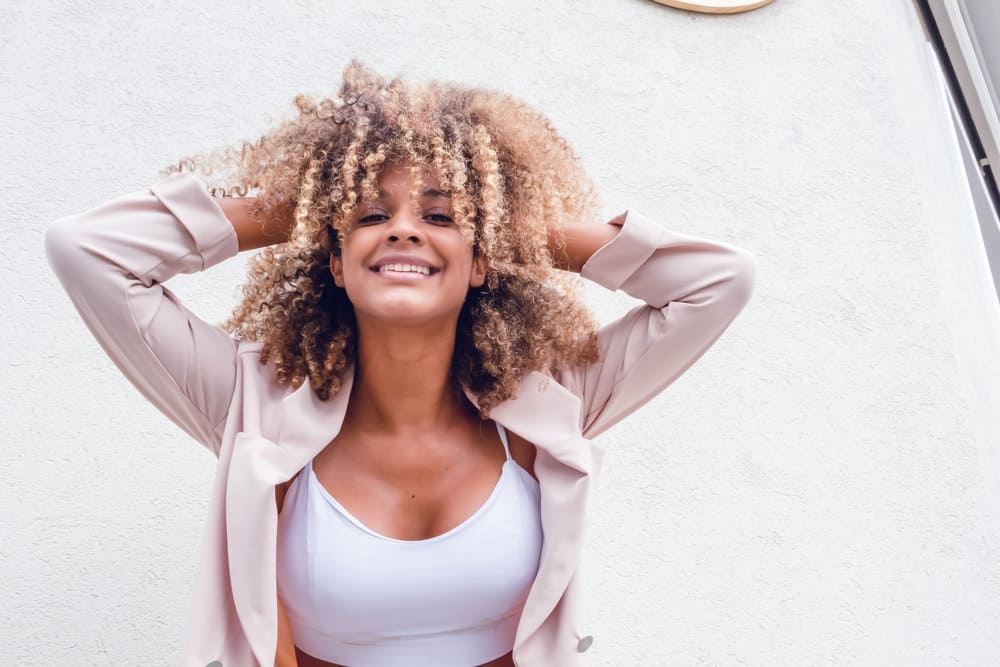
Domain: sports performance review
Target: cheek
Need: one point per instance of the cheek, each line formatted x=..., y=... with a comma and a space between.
x=462, y=273
x=464, y=255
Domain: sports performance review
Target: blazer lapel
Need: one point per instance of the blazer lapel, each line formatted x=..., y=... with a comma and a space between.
x=542, y=411
x=258, y=464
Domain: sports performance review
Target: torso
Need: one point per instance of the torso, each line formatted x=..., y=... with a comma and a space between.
x=415, y=497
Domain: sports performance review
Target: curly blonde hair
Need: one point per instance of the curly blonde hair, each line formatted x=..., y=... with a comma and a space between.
x=511, y=177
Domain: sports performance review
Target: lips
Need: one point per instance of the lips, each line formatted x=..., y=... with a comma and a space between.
x=426, y=273
x=404, y=260
x=404, y=275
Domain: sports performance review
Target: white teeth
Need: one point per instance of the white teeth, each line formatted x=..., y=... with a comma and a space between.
x=405, y=268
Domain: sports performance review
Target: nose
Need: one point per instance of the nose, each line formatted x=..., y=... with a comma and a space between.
x=403, y=224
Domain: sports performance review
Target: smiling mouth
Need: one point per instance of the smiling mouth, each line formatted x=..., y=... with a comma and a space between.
x=405, y=274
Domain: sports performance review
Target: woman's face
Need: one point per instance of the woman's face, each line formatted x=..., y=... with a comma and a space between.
x=388, y=238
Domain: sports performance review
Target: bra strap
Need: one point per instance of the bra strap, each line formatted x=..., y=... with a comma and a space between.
x=503, y=438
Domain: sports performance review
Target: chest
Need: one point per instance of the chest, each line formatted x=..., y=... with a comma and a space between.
x=415, y=498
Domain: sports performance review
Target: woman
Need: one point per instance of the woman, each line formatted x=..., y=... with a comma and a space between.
x=402, y=405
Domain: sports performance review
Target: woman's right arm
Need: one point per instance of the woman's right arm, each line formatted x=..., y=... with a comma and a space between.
x=112, y=261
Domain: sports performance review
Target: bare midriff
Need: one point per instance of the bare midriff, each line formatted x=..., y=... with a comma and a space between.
x=306, y=660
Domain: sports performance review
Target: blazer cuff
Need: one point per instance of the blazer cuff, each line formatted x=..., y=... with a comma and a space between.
x=187, y=199
x=613, y=263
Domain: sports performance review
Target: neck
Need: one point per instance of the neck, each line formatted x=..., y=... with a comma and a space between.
x=402, y=382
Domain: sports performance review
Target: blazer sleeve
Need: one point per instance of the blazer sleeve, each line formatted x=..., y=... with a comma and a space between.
x=113, y=259
x=692, y=289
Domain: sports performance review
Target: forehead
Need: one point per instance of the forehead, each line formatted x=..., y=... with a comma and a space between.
x=394, y=183
x=396, y=175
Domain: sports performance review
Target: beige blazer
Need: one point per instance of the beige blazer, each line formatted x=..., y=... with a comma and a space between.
x=113, y=261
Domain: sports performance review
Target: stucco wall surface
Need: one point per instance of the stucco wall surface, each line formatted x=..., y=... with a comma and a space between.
x=819, y=489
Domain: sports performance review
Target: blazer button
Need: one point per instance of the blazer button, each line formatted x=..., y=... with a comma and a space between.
x=214, y=663
x=584, y=644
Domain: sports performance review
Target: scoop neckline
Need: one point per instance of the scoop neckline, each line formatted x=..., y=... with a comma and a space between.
x=314, y=480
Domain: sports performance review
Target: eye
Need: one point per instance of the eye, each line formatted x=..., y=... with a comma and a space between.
x=441, y=218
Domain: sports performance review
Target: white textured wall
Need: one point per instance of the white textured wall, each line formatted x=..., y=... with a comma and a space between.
x=820, y=489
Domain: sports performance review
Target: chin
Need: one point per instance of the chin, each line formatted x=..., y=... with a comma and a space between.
x=408, y=314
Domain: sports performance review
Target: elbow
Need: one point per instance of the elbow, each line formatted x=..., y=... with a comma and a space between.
x=62, y=246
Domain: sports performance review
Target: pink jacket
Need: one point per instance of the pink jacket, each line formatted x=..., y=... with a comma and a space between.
x=113, y=261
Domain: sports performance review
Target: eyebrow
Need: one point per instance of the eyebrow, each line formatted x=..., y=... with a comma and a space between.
x=429, y=192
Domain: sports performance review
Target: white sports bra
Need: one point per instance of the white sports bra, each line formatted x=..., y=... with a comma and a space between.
x=358, y=598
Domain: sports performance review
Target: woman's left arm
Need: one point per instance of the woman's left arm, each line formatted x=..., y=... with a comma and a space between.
x=581, y=241
x=692, y=288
